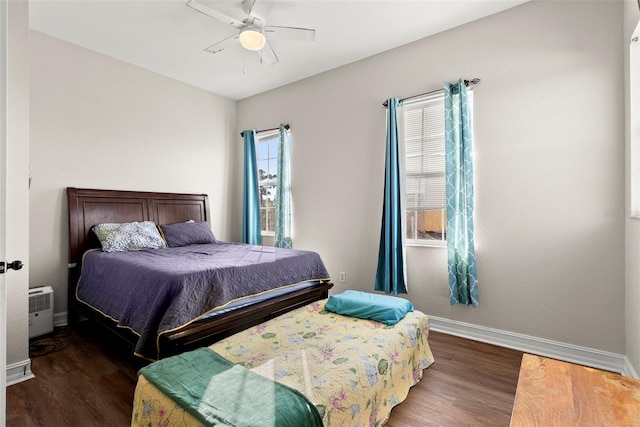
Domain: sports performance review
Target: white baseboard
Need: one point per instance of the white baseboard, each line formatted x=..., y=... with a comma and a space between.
x=526, y=343
x=554, y=349
x=18, y=372
x=60, y=319
x=628, y=370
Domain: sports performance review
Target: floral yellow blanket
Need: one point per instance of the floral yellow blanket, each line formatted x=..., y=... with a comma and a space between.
x=353, y=370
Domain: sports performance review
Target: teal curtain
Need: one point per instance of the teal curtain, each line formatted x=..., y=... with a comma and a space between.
x=391, y=271
x=283, y=192
x=463, y=275
x=251, y=196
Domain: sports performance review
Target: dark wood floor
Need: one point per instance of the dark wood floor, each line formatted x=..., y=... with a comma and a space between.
x=90, y=379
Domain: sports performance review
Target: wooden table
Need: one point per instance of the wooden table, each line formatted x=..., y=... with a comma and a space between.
x=554, y=393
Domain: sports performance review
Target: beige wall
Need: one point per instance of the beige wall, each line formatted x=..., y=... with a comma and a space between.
x=632, y=254
x=97, y=122
x=549, y=150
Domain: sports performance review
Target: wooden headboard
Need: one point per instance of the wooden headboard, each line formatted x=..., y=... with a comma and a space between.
x=88, y=207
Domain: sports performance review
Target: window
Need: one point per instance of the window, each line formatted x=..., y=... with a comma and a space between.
x=425, y=182
x=267, y=157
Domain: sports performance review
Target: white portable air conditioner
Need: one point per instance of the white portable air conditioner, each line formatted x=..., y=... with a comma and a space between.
x=40, y=311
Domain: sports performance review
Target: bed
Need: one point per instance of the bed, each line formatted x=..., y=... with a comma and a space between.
x=89, y=207
x=353, y=371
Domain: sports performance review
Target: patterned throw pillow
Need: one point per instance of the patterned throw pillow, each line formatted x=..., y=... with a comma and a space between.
x=128, y=236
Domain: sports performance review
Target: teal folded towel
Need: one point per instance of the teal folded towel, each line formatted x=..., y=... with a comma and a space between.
x=383, y=308
x=222, y=394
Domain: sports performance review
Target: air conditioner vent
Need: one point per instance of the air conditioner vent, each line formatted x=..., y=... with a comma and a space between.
x=39, y=303
x=40, y=311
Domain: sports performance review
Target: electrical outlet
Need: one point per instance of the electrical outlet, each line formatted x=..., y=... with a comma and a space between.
x=343, y=277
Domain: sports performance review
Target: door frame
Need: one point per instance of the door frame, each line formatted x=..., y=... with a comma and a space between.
x=3, y=156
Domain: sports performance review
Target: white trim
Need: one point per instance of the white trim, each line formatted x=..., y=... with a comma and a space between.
x=427, y=243
x=3, y=205
x=628, y=370
x=60, y=319
x=557, y=350
x=18, y=372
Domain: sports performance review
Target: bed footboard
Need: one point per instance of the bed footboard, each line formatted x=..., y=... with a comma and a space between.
x=207, y=332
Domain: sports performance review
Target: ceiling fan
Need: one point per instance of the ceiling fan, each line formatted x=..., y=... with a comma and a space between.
x=253, y=32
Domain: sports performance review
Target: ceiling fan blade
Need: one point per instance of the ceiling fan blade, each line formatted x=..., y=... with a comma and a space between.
x=257, y=8
x=289, y=33
x=267, y=55
x=247, y=6
x=223, y=44
x=212, y=13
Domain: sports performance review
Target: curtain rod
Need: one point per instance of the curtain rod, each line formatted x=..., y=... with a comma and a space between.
x=267, y=130
x=466, y=83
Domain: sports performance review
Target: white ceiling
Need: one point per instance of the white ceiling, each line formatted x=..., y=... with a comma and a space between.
x=169, y=38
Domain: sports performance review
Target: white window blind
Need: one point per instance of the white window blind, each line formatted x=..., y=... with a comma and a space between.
x=425, y=169
x=424, y=151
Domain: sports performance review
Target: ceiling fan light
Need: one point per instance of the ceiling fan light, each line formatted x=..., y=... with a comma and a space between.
x=252, y=39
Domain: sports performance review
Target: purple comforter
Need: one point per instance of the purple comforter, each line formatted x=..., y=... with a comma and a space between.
x=158, y=290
